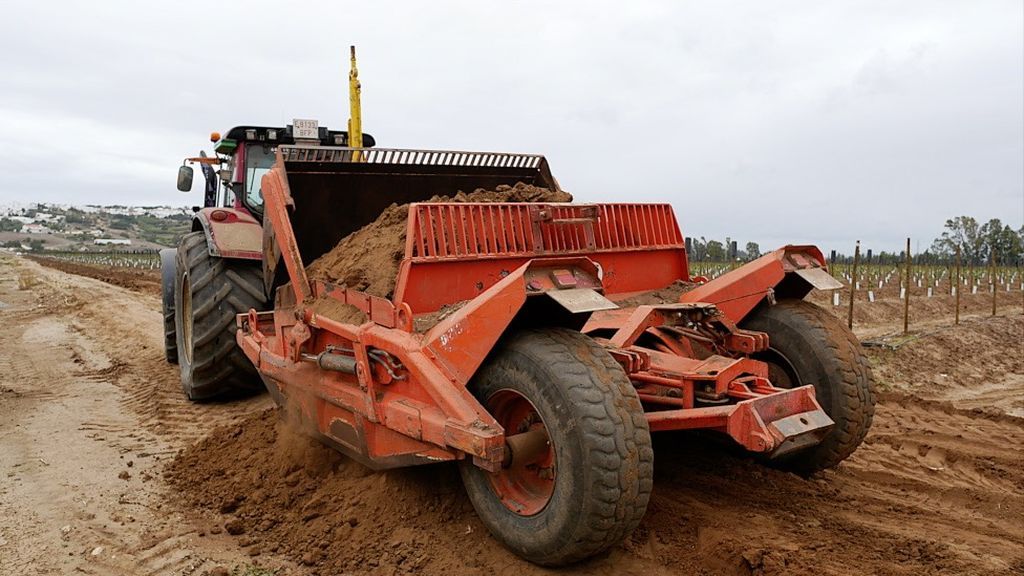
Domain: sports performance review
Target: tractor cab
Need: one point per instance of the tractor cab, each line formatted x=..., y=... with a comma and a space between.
x=243, y=155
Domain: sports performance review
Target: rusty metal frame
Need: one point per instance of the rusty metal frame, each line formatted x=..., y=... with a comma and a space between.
x=455, y=251
x=389, y=396
x=739, y=291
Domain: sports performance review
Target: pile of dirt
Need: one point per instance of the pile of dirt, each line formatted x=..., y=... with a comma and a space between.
x=337, y=310
x=285, y=493
x=367, y=259
x=924, y=465
x=967, y=364
x=424, y=323
x=668, y=295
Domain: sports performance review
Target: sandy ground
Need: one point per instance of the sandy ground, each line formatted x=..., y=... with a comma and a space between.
x=105, y=468
x=89, y=415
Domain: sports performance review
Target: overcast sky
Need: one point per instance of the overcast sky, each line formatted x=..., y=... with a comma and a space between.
x=778, y=122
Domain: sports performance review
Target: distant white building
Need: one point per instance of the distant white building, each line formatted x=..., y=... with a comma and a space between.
x=47, y=217
x=166, y=211
x=115, y=241
x=36, y=229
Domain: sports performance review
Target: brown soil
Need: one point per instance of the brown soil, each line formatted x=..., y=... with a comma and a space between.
x=147, y=281
x=339, y=311
x=424, y=322
x=935, y=490
x=667, y=295
x=90, y=412
x=87, y=424
x=978, y=364
x=367, y=260
x=888, y=310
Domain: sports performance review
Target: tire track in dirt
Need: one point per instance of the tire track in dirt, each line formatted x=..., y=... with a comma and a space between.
x=128, y=327
x=88, y=417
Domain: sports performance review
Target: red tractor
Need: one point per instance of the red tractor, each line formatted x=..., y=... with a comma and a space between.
x=216, y=271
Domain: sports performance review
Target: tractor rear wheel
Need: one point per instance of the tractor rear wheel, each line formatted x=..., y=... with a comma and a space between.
x=209, y=292
x=584, y=483
x=808, y=345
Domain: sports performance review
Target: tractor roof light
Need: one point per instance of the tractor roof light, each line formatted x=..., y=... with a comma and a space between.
x=250, y=134
x=271, y=134
x=214, y=136
x=339, y=139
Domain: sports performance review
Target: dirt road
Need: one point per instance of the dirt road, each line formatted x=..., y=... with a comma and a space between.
x=938, y=488
x=89, y=415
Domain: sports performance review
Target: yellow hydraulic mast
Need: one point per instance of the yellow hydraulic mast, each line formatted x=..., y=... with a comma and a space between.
x=355, y=121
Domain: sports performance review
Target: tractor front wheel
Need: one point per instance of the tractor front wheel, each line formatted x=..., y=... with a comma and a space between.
x=209, y=293
x=579, y=469
x=808, y=345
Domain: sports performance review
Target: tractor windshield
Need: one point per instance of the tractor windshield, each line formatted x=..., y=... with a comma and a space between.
x=259, y=158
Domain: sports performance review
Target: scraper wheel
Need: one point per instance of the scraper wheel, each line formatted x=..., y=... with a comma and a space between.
x=579, y=464
x=808, y=345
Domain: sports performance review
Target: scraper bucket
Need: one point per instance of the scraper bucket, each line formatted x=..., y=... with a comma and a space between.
x=337, y=191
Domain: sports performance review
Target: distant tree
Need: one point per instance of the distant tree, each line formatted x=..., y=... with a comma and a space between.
x=965, y=232
x=890, y=257
x=1003, y=239
x=75, y=216
x=753, y=250
x=121, y=222
x=1020, y=238
x=699, y=248
x=715, y=251
x=8, y=225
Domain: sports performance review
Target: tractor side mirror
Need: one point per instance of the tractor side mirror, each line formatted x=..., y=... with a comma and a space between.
x=185, y=178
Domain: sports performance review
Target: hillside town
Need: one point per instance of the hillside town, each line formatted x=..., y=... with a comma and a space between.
x=39, y=226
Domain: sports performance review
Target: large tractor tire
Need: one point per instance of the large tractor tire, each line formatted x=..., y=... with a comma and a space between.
x=808, y=345
x=210, y=292
x=585, y=486
x=168, y=260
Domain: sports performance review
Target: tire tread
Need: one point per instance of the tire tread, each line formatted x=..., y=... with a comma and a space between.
x=221, y=289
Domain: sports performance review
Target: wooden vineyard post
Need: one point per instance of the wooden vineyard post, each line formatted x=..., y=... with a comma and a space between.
x=853, y=284
x=906, y=294
x=992, y=280
x=958, y=287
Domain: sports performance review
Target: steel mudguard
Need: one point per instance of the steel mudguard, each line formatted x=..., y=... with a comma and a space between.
x=789, y=272
x=230, y=233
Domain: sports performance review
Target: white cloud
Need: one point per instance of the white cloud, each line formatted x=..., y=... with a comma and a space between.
x=821, y=122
